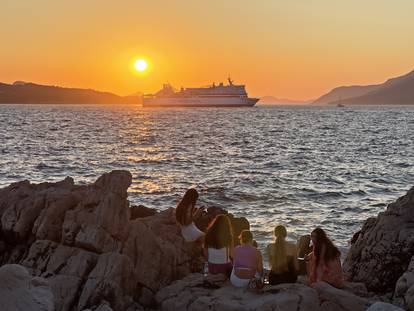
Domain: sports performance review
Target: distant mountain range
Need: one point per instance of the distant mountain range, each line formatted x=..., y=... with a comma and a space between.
x=282, y=101
x=30, y=93
x=395, y=91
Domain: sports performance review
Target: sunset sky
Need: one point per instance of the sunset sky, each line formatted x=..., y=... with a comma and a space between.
x=293, y=49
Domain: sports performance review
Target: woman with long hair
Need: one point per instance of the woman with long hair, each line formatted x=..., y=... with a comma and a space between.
x=218, y=245
x=185, y=213
x=248, y=261
x=282, y=258
x=324, y=262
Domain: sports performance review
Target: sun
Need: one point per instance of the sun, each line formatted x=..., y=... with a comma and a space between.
x=140, y=65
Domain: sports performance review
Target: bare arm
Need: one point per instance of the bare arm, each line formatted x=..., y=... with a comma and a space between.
x=231, y=253
x=196, y=213
x=259, y=262
x=270, y=254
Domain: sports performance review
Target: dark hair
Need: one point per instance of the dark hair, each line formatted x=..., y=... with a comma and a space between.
x=188, y=201
x=238, y=225
x=246, y=236
x=219, y=233
x=322, y=240
x=280, y=254
x=303, y=245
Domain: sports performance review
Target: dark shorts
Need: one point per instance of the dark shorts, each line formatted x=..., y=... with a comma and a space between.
x=280, y=278
x=224, y=268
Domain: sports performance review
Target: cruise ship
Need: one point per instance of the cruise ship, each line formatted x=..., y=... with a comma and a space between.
x=220, y=95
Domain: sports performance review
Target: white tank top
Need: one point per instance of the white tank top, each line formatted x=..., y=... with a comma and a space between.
x=191, y=233
x=218, y=256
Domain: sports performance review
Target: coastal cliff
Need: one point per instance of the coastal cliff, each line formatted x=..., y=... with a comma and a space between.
x=394, y=91
x=30, y=93
x=83, y=247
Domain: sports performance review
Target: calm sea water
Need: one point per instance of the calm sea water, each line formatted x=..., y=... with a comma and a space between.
x=299, y=166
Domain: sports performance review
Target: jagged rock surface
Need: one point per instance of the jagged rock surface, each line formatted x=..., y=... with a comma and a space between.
x=83, y=241
x=197, y=293
x=193, y=293
x=20, y=291
x=404, y=288
x=383, y=306
x=384, y=248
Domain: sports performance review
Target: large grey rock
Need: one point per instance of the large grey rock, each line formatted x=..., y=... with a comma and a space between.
x=405, y=286
x=111, y=280
x=383, y=306
x=384, y=247
x=82, y=239
x=192, y=293
x=163, y=255
x=339, y=299
x=21, y=292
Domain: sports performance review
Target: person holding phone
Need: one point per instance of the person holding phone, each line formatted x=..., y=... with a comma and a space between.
x=185, y=213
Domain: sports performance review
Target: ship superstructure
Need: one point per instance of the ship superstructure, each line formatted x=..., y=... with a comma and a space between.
x=220, y=95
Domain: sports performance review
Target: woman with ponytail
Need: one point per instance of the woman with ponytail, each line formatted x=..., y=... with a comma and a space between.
x=282, y=259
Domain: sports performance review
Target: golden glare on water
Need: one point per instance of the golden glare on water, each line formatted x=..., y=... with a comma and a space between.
x=140, y=65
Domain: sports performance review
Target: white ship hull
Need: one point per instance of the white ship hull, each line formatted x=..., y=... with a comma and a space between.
x=216, y=101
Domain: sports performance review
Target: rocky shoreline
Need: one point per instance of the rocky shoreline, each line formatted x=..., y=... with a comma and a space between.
x=70, y=247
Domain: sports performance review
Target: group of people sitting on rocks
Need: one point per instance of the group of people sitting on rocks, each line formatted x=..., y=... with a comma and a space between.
x=242, y=262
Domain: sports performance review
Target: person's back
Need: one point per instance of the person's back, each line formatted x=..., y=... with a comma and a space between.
x=282, y=258
x=291, y=251
x=218, y=246
x=245, y=256
x=327, y=271
x=248, y=262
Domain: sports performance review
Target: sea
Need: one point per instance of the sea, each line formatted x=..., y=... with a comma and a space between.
x=300, y=166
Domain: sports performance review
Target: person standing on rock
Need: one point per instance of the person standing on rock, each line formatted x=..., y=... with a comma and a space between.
x=248, y=261
x=282, y=258
x=218, y=246
x=185, y=214
x=324, y=262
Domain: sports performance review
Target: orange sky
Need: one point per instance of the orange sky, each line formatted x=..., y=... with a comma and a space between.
x=292, y=49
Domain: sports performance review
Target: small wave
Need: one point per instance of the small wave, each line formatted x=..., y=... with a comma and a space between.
x=149, y=160
x=295, y=222
x=402, y=165
x=358, y=192
x=353, y=209
x=334, y=180
x=44, y=166
x=309, y=190
x=325, y=128
x=381, y=181
x=327, y=194
x=217, y=189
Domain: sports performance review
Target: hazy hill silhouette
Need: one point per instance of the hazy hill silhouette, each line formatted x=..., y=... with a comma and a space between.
x=395, y=91
x=31, y=93
x=344, y=92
